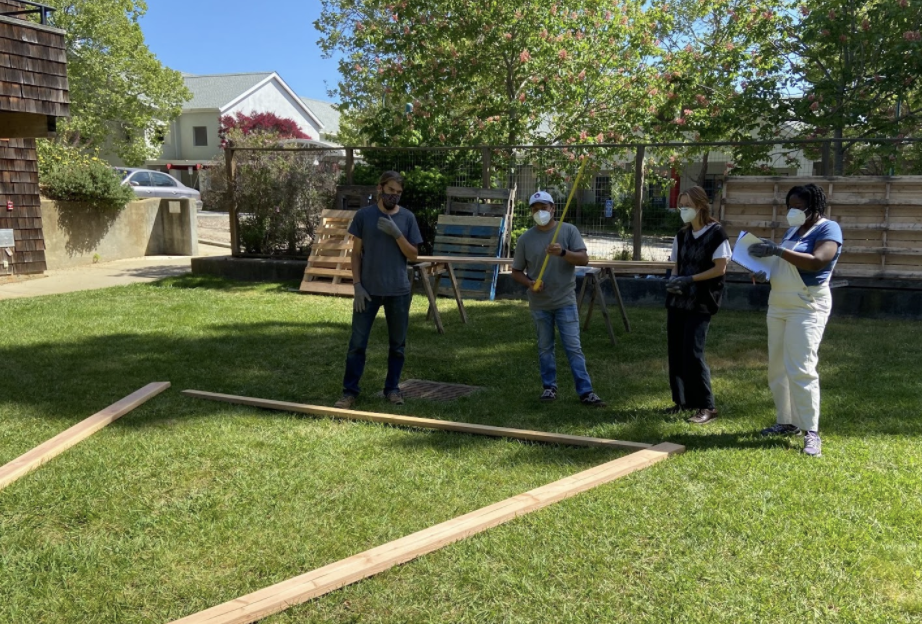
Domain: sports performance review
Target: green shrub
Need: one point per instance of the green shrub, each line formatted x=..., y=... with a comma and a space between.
x=66, y=174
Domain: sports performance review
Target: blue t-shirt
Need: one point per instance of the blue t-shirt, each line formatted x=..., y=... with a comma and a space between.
x=384, y=267
x=824, y=231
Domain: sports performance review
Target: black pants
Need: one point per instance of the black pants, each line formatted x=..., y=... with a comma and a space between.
x=689, y=375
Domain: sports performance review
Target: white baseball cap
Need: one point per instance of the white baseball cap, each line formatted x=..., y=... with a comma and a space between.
x=541, y=196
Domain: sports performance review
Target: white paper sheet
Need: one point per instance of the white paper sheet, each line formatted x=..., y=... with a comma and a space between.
x=741, y=255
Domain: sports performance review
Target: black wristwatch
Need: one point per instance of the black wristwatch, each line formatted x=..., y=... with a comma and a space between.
x=563, y=252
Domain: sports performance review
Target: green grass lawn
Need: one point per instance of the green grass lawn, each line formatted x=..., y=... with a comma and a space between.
x=183, y=504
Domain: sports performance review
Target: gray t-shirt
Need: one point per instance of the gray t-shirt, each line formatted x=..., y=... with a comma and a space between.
x=559, y=276
x=384, y=267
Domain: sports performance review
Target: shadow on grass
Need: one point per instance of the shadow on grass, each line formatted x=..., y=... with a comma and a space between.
x=290, y=360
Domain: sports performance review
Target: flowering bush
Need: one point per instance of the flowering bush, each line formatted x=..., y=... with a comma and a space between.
x=67, y=174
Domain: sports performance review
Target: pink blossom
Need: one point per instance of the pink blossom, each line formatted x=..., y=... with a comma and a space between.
x=582, y=75
x=442, y=137
x=843, y=38
x=543, y=34
x=815, y=106
x=624, y=20
x=653, y=91
x=592, y=114
x=521, y=97
x=687, y=111
x=768, y=15
x=804, y=11
x=394, y=17
x=703, y=101
x=651, y=110
x=599, y=137
x=524, y=57
x=811, y=97
x=550, y=171
x=904, y=3
x=573, y=15
x=518, y=15
x=359, y=26
x=825, y=32
x=689, y=48
x=553, y=9
x=680, y=121
x=358, y=68
x=583, y=135
x=865, y=25
x=608, y=15
x=579, y=35
x=730, y=45
x=832, y=15
x=406, y=30
x=563, y=55
x=507, y=36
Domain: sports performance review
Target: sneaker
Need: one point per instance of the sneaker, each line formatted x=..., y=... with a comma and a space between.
x=346, y=401
x=395, y=397
x=779, y=429
x=812, y=444
x=592, y=400
x=549, y=394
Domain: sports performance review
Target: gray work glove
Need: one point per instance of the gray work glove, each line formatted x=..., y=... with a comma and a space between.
x=765, y=249
x=759, y=278
x=679, y=285
x=387, y=225
x=360, y=297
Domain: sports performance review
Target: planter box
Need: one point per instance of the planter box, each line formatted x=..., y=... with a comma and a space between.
x=78, y=235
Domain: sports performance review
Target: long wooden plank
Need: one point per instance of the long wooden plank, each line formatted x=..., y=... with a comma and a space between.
x=465, y=192
x=281, y=596
x=327, y=288
x=469, y=220
x=420, y=423
x=79, y=432
x=312, y=270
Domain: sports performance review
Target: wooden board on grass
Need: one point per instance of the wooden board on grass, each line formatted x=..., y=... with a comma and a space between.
x=79, y=432
x=281, y=596
x=329, y=266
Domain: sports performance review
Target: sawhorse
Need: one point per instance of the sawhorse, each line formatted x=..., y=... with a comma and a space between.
x=593, y=279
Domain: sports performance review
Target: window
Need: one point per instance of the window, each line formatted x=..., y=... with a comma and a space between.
x=141, y=178
x=200, y=136
x=162, y=179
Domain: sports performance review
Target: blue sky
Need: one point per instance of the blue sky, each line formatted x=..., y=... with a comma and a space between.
x=232, y=36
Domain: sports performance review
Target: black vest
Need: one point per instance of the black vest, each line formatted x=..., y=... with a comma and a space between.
x=696, y=256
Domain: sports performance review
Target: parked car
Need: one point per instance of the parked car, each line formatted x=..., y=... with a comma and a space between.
x=147, y=183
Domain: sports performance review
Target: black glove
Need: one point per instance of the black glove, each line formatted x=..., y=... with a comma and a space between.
x=765, y=249
x=759, y=277
x=679, y=285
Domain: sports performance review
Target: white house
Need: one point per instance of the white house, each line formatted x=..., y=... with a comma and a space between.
x=192, y=140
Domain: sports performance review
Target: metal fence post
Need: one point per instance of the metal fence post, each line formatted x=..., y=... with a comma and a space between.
x=350, y=165
x=231, y=169
x=486, y=157
x=824, y=167
x=638, y=200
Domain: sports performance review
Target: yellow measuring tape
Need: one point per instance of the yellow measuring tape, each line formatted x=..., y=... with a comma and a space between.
x=563, y=216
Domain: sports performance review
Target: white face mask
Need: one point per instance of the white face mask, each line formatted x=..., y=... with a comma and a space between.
x=542, y=217
x=687, y=214
x=796, y=217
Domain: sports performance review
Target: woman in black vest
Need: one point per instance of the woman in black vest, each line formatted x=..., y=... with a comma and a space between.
x=700, y=252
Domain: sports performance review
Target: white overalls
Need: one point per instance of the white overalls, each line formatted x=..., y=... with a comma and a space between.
x=797, y=316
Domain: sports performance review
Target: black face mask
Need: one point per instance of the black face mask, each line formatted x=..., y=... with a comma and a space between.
x=390, y=200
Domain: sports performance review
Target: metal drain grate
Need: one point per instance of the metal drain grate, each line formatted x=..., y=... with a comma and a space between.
x=434, y=390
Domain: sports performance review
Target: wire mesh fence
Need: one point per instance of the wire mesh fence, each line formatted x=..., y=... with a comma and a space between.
x=281, y=191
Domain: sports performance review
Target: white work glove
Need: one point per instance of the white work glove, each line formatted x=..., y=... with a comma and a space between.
x=360, y=297
x=387, y=225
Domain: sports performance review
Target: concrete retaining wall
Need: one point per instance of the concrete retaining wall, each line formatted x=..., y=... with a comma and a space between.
x=77, y=234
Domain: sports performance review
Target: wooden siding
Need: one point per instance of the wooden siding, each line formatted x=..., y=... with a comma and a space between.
x=33, y=67
x=19, y=184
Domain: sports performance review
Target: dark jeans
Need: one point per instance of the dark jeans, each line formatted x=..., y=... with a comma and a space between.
x=397, y=313
x=689, y=375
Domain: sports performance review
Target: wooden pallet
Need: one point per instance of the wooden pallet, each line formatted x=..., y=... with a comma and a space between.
x=329, y=266
x=478, y=202
x=470, y=237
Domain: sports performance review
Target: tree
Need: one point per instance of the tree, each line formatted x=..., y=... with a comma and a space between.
x=853, y=70
x=122, y=97
x=466, y=73
x=281, y=127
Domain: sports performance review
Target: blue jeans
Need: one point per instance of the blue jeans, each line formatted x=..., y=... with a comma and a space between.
x=567, y=321
x=397, y=314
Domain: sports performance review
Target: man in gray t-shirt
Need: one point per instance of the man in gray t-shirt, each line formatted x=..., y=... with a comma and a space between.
x=385, y=236
x=553, y=302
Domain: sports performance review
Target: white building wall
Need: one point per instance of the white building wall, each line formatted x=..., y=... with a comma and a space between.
x=271, y=98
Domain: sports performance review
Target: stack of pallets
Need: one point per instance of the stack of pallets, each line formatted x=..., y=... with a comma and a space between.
x=329, y=266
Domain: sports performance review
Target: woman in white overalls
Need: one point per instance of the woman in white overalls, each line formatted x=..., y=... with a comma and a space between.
x=798, y=307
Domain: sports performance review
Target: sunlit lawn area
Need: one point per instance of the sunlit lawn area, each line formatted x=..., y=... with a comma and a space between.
x=184, y=504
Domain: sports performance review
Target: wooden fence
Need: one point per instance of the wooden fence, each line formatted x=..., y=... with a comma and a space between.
x=881, y=218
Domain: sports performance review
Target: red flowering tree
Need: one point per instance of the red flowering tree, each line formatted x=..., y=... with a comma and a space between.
x=262, y=123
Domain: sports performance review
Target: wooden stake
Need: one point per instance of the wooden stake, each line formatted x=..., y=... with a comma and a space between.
x=281, y=596
x=420, y=423
x=82, y=430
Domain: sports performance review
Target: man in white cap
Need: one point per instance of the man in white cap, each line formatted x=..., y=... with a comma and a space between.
x=554, y=302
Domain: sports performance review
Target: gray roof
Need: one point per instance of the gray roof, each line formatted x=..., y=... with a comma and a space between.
x=326, y=113
x=217, y=90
